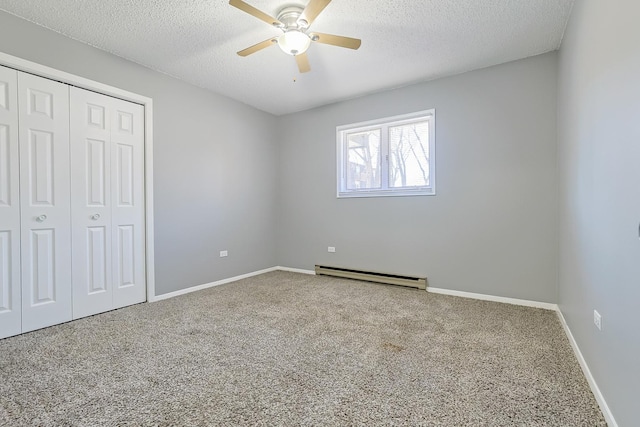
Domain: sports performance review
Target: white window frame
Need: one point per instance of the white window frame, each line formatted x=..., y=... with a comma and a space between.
x=383, y=125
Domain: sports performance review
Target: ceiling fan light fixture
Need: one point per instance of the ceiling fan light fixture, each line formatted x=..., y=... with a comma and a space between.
x=294, y=42
x=294, y=21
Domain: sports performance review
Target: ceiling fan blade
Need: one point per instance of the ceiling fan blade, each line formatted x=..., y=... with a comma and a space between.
x=245, y=7
x=303, y=63
x=340, y=41
x=258, y=46
x=313, y=9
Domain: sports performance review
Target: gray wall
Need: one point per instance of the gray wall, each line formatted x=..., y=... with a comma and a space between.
x=492, y=227
x=599, y=163
x=214, y=158
x=226, y=173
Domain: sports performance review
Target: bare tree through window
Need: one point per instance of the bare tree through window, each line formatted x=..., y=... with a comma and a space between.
x=364, y=160
x=409, y=155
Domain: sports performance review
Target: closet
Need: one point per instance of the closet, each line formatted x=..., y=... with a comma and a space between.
x=71, y=203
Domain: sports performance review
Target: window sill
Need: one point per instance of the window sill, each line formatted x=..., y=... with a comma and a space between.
x=399, y=193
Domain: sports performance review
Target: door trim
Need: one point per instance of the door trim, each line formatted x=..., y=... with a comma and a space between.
x=81, y=82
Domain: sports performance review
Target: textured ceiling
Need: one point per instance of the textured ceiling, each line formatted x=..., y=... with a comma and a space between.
x=402, y=42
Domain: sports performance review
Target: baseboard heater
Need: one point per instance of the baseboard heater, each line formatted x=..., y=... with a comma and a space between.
x=371, y=276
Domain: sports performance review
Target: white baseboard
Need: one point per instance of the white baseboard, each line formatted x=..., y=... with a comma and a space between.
x=296, y=270
x=536, y=304
x=515, y=301
x=210, y=285
x=608, y=416
x=225, y=281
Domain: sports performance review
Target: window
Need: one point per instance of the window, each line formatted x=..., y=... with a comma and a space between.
x=394, y=156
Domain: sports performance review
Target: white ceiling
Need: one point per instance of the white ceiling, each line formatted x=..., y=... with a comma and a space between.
x=403, y=42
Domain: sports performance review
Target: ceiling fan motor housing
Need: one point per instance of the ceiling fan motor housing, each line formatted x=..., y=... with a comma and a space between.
x=289, y=17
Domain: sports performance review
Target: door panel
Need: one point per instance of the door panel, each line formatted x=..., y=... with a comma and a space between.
x=7, y=81
x=127, y=136
x=96, y=173
x=124, y=175
x=45, y=201
x=43, y=280
x=96, y=260
x=40, y=103
x=107, y=202
x=91, y=203
x=5, y=272
x=41, y=168
x=10, y=297
x=6, y=166
x=126, y=256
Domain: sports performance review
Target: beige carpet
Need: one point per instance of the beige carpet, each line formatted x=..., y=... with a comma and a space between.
x=290, y=349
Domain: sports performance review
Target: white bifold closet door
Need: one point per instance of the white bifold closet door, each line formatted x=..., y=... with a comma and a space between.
x=45, y=201
x=107, y=167
x=10, y=308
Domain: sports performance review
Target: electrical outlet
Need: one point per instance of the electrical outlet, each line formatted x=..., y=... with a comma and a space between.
x=597, y=320
x=223, y=254
x=331, y=249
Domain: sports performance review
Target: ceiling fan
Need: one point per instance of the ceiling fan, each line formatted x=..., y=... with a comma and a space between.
x=294, y=22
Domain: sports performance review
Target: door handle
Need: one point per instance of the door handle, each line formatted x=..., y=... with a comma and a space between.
x=95, y=217
x=41, y=218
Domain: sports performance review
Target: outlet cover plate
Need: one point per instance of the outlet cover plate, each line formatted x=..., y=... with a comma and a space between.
x=597, y=319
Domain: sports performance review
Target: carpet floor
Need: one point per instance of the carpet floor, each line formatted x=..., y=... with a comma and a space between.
x=286, y=349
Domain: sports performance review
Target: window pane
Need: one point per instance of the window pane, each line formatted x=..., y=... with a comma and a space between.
x=409, y=155
x=363, y=160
